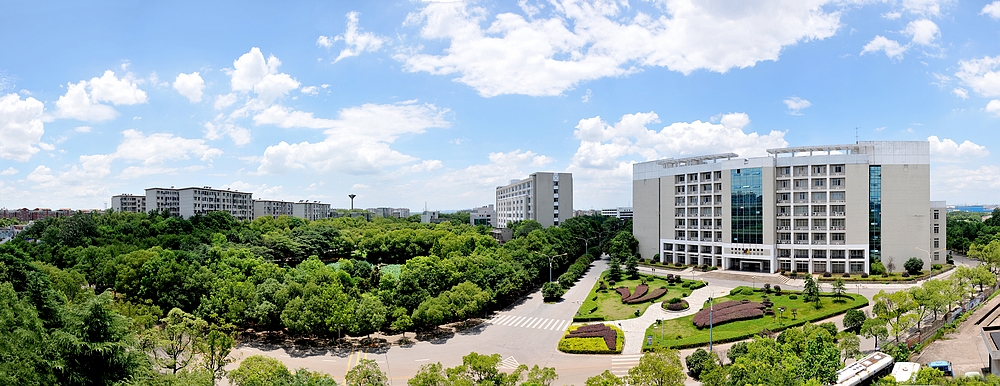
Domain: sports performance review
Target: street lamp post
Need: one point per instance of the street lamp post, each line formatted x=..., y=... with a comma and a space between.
x=550, y=263
x=586, y=243
x=931, y=268
x=753, y=281
x=711, y=310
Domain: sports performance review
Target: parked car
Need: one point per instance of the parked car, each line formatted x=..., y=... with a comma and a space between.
x=944, y=366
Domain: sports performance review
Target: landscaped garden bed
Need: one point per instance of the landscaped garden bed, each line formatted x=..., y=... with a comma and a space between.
x=730, y=311
x=683, y=332
x=592, y=339
x=676, y=305
x=605, y=301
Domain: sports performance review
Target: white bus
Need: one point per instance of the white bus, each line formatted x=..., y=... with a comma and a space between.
x=865, y=371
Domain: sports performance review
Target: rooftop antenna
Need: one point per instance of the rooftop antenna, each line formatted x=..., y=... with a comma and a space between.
x=856, y=140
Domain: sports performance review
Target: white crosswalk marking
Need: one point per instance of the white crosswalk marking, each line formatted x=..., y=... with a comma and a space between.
x=530, y=322
x=621, y=364
x=509, y=363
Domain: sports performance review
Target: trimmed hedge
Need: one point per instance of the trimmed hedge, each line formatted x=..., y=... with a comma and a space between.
x=726, y=312
x=624, y=292
x=650, y=296
x=640, y=291
x=594, y=339
x=678, y=306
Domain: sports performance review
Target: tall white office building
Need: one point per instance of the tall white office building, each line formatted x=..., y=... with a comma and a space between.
x=807, y=209
x=128, y=203
x=543, y=196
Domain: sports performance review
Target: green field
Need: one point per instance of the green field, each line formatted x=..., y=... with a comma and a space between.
x=681, y=332
x=607, y=305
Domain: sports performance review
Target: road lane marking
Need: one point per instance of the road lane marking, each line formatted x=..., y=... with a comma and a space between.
x=329, y=360
x=527, y=321
x=501, y=319
x=548, y=324
x=421, y=360
x=536, y=323
x=517, y=319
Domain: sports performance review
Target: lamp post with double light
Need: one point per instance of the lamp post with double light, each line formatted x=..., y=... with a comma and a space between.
x=931, y=268
x=550, y=262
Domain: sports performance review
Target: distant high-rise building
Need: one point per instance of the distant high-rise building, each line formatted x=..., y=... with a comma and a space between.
x=128, y=203
x=483, y=215
x=544, y=197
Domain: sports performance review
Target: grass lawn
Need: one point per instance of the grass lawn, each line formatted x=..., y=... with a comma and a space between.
x=607, y=305
x=681, y=332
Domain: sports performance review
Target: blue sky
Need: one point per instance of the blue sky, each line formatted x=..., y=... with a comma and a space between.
x=405, y=103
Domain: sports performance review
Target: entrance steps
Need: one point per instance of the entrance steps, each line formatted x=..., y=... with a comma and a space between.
x=749, y=277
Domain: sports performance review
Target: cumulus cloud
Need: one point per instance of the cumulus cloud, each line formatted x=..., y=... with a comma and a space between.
x=963, y=184
x=10, y=171
x=947, y=150
x=796, y=104
x=21, y=127
x=311, y=90
x=891, y=47
x=356, y=41
x=82, y=129
x=82, y=100
x=991, y=10
x=262, y=190
x=190, y=86
x=993, y=107
x=981, y=75
x=223, y=101
x=922, y=31
x=925, y=7
x=960, y=92
x=239, y=135
x=357, y=141
x=470, y=182
x=583, y=41
x=251, y=72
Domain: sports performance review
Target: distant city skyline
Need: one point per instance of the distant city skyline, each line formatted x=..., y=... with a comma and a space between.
x=404, y=103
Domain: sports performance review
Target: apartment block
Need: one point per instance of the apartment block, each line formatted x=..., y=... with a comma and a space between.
x=311, y=210
x=483, y=215
x=272, y=208
x=810, y=209
x=621, y=212
x=540, y=197
x=187, y=202
x=390, y=212
x=128, y=203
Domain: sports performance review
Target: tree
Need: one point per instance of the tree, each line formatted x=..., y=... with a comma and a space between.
x=432, y=374
x=982, y=276
x=821, y=360
x=632, y=267
x=402, y=321
x=214, y=348
x=877, y=268
x=658, y=368
x=875, y=328
x=849, y=345
x=483, y=370
x=895, y=309
x=737, y=350
x=540, y=376
x=552, y=291
x=854, y=319
x=371, y=314
x=173, y=344
x=614, y=268
x=366, y=373
x=810, y=292
x=699, y=361
x=622, y=245
x=839, y=288
x=605, y=379
x=259, y=370
x=913, y=266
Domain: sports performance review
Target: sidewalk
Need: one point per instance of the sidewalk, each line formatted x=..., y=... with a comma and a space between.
x=635, y=329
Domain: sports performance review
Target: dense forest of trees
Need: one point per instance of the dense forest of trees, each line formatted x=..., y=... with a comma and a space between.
x=94, y=298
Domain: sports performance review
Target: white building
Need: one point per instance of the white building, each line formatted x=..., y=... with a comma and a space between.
x=621, y=212
x=540, y=197
x=311, y=210
x=390, y=212
x=272, y=208
x=430, y=217
x=187, y=202
x=807, y=209
x=128, y=203
x=483, y=215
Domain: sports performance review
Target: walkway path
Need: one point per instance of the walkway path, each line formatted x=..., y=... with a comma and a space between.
x=635, y=329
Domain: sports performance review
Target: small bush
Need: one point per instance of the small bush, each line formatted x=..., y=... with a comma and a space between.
x=937, y=267
x=681, y=305
x=777, y=290
x=846, y=274
x=827, y=274
x=906, y=274
x=793, y=296
x=674, y=300
x=864, y=275
x=794, y=274
x=686, y=285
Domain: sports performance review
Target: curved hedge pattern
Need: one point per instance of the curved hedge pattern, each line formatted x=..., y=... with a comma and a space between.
x=640, y=291
x=649, y=296
x=730, y=311
x=575, y=340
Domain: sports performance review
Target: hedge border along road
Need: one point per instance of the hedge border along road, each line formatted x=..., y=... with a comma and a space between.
x=736, y=331
x=591, y=345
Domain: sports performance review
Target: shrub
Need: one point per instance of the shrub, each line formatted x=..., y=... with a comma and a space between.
x=624, y=292
x=864, y=275
x=592, y=339
x=737, y=350
x=726, y=312
x=846, y=274
x=913, y=265
x=937, y=267
x=853, y=320
x=905, y=274
x=566, y=280
x=877, y=268
x=794, y=274
x=793, y=296
x=552, y=291
x=827, y=274
x=655, y=294
x=681, y=305
x=767, y=288
x=698, y=284
x=699, y=361
x=640, y=291
x=686, y=285
x=777, y=290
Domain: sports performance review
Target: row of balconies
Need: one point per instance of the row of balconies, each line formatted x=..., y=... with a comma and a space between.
x=704, y=203
x=813, y=242
x=797, y=201
x=697, y=227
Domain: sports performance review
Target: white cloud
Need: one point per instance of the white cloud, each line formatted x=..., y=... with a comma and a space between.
x=82, y=100
x=925, y=7
x=239, y=135
x=82, y=129
x=46, y=146
x=356, y=41
x=947, y=150
x=311, y=90
x=796, y=104
x=223, y=101
x=21, y=127
x=252, y=72
x=472, y=181
x=961, y=184
x=892, y=15
x=922, y=31
x=960, y=92
x=993, y=107
x=190, y=86
x=583, y=41
x=357, y=142
x=980, y=75
x=586, y=96
x=992, y=10
x=10, y=171
x=891, y=47
x=262, y=190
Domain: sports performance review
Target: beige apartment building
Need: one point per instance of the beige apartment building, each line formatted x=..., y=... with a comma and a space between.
x=128, y=203
x=187, y=202
x=272, y=208
x=807, y=209
x=544, y=197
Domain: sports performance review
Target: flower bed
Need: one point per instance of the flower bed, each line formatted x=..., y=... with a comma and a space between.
x=726, y=312
x=649, y=296
x=678, y=306
x=592, y=339
x=640, y=291
x=623, y=291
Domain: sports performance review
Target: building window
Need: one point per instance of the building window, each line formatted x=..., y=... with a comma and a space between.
x=936, y=256
x=747, y=206
x=937, y=229
x=874, y=212
x=937, y=215
x=937, y=243
x=819, y=183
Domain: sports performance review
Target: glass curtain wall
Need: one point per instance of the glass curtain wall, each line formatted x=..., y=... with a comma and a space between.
x=874, y=212
x=747, y=208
